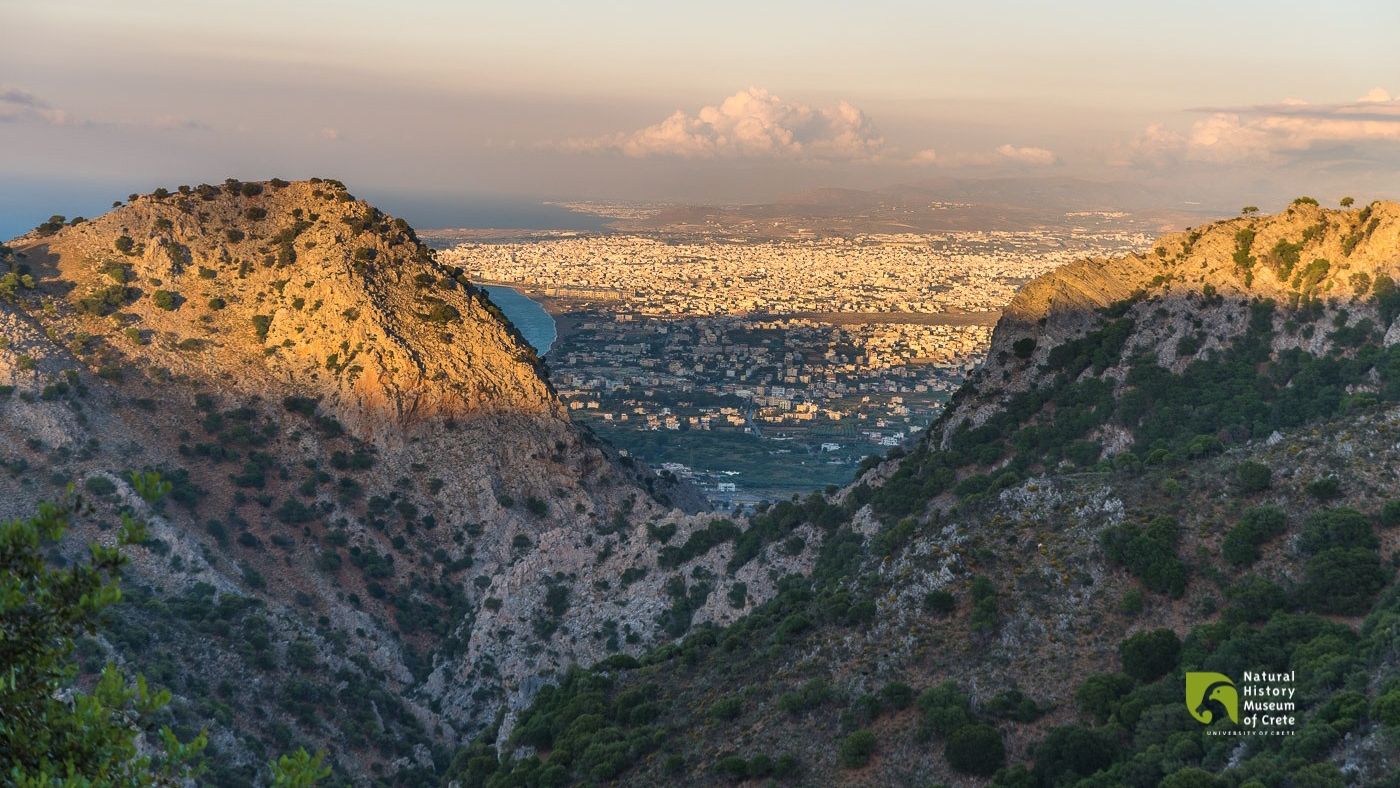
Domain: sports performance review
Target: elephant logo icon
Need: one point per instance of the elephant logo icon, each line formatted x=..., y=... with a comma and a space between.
x=1211, y=697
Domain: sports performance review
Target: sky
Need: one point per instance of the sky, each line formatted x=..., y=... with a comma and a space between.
x=453, y=112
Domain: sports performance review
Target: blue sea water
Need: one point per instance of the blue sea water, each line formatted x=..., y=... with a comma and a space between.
x=528, y=316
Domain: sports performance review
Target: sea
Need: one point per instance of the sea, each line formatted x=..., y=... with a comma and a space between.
x=527, y=315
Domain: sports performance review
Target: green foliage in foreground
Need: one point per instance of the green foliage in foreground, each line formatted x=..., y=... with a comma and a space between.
x=52, y=732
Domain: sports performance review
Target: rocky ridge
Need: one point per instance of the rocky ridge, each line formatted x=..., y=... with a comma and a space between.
x=376, y=492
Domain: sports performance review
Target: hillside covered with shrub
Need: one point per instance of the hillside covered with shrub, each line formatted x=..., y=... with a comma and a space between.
x=1181, y=460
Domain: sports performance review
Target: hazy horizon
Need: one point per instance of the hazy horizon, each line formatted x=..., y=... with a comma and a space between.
x=441, y=107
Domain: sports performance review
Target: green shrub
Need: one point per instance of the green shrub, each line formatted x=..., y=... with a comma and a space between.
x=1099, y=696
x=1254, y=598
x=104, y=300
x=944, y=709
x=1253, y=477
x=727, y=708
x=1192, y=777
x=1331, y=528
x=442, y=313
x=1324, y=489
x=1257, y=526
x=975, y=749
x=1148, y=553
x=124, y=244
x=985, y=609
x=164, y=299
x=1147, y=656
x=896, y=695
x=1386, y=708
x=856, y=749
x=1071, y=751
x=1390, y=514
x=261, y=325
x=100, y=486
x=940, y=602
x=1342, y=581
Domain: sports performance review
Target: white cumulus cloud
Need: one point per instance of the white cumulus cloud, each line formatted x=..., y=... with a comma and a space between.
x=1039, y=157
x=752, y=123
x=1272, y=131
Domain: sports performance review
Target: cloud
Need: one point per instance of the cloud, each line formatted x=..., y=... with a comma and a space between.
x=21, y=106
x=1039, y=157
x=926, y=156
x=177, y=122
x=1266, y=132
x=329, y=134
x=752, y=123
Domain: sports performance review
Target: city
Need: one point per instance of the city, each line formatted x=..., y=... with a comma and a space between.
x=708, y=359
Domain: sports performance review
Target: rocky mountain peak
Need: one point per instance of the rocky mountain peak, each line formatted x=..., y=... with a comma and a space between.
x=294, y=284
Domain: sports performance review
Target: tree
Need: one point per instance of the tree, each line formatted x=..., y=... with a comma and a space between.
x=164, y=299
x=1253, y=477
x=299, y=769
x=1342, y=580
x=1249, y=210
x=1347, y=202
x=1147, y=656
x=1100, y=695
x=975, y=749
x=855, y=750
x=51, y=731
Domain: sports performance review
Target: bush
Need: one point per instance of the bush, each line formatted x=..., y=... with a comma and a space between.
x=124, y=244
x=100, y=486
x=1072, y=750
x=985, y=609
x=856, y=749
x=1024, y=347
x=1253, y=477
x=940, y=602
x=1148, y=553
x=1386, y=709
x=1336, y=528
x=1255, y=599
x=896, y=695
x=1099, y=696
x=1147, y=656
x=975, y=749
x=261, y=325
x=1342, y=581
x=104, y=300
x=1257, y=526
x=1325, y=489
x=442, y=313
x=1390, y=514
x=944, y=708
x=166, y=300
x=1192, y=777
